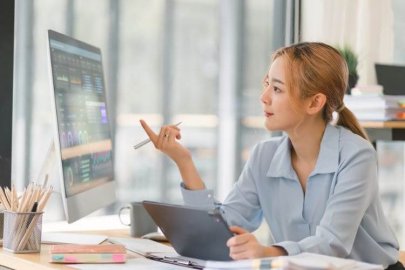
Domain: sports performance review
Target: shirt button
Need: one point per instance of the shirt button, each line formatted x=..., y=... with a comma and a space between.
x=209, y=195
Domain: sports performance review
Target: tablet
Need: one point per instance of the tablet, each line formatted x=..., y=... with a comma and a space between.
x=193, y=232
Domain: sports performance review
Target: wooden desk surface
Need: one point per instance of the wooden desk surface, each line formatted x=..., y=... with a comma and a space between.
x=382, y=124
x=39, y=261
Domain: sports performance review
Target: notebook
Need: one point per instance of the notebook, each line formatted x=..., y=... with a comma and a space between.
x=109, y=253
x=392, y=78
x=193, y=232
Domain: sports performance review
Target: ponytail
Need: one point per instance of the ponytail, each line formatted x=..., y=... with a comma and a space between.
x=348, y=120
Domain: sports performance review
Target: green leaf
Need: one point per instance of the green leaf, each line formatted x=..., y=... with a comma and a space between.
x=351, y=59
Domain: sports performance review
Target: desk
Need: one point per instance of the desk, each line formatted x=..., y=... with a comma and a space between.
x=385, y=130
x=39, y=261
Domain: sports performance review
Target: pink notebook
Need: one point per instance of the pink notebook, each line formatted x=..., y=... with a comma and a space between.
x=113, y=253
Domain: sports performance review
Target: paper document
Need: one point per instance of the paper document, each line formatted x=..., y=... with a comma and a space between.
x=309, y=259
x=303, y=261
x=72, y=238
x=133, y=264
x=142, y=246
x=157, y=252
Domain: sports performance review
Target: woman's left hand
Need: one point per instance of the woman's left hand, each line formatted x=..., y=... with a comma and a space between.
x=244, y=245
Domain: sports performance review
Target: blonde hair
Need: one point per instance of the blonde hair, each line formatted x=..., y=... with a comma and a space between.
x=314, y=67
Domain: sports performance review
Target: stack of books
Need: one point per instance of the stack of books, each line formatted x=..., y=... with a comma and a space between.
x=374, y=107
x=113, y=253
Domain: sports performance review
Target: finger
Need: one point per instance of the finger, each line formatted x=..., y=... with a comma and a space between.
x=237, y=230
x=239, y=256
x=237, y=249
x=169, y=133
x=176, y=134
x=161, y=138
x=152, y=135
x=172, y=128
x=171, y=137
x=167, y=137
x=237, y=240
x=178, y=137
x=245, y=251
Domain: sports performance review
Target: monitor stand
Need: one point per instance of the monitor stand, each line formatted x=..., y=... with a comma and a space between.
x=54, y=210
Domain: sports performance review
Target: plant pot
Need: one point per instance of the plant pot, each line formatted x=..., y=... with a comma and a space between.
x=353, y=78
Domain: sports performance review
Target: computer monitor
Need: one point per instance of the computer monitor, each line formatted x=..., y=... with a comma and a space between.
x=392, y=78
x=83, y=142
x=6, y=89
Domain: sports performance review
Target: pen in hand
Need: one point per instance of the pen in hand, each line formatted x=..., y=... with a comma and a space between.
x=142, y=143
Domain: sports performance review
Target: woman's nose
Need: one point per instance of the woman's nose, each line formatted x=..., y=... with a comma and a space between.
x=265, y=96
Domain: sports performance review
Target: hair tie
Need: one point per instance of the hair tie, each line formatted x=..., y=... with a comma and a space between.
x=340, y=108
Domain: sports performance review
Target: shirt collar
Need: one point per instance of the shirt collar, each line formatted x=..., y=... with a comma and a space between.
x=327, y=162
x=280, y=165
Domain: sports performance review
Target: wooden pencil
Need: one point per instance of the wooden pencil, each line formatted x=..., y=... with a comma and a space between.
x=24, y=213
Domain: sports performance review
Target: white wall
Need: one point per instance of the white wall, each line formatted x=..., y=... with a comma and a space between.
x=365, y=25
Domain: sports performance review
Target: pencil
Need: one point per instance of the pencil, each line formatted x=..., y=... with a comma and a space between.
x=23, y=213
x=4, y=199
x=142, y=143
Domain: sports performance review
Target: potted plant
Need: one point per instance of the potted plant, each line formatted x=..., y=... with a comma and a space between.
x=352, y=61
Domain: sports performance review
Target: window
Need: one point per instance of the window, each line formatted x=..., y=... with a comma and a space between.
x=200, y=62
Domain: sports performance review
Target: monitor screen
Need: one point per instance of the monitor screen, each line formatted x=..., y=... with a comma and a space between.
x=6, y=89
x=391, y=78
x=83, y=141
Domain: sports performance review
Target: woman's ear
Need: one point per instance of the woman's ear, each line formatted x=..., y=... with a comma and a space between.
x=316, y=103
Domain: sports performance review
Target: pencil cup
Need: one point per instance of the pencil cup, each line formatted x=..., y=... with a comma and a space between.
x=22, y=232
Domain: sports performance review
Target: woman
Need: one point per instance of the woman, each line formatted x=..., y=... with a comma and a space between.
x=316, y=186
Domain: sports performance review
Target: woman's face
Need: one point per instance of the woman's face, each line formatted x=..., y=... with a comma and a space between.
x=278, y=107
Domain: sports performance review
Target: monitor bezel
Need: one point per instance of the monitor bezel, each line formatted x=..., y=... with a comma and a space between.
x=84, y=203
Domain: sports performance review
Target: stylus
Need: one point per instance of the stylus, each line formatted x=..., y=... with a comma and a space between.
x=142, y=143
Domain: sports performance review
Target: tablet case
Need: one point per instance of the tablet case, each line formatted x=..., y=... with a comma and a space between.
x=193, y=232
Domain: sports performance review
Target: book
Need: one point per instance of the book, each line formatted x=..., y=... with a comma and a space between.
x=71, y=253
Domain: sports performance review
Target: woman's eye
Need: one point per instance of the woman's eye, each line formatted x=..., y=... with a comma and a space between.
x=276, y=89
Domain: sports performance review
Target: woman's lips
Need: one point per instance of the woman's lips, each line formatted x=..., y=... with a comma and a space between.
x=268, y=114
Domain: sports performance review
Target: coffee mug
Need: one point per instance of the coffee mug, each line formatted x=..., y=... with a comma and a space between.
x=139, y=220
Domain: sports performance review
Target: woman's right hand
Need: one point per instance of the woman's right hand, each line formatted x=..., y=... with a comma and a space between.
x=166, y=141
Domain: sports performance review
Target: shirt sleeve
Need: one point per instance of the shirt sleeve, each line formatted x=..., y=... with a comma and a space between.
x=240, y=208
x=355, y=188
x=198, y=198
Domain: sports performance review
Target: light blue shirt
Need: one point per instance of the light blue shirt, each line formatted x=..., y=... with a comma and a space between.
x=340, y=213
